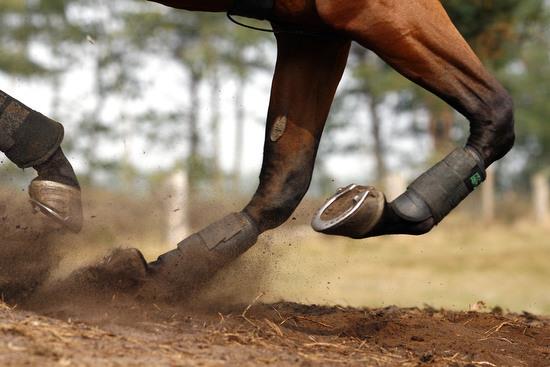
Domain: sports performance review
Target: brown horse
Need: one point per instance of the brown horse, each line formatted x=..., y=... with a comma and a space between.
x=418, y=40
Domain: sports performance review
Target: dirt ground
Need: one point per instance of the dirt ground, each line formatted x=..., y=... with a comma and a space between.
x=110, y=329
x=282, y=334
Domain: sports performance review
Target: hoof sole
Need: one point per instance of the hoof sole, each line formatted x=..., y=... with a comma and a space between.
x=353, y=211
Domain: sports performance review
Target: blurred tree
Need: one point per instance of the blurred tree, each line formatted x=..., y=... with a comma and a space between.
x=497, y=30
x=242, y=57
x=189, y=41
x=15, y=58
x=203, y=46
x=30, y=27
x=373, y=82
x=528, y=79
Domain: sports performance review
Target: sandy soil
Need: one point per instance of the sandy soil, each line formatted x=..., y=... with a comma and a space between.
x=282, y=334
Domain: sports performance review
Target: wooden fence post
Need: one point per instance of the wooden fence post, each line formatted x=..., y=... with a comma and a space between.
x=394, y=185
x=488, y=197
x=541, y=196
x=177, y=207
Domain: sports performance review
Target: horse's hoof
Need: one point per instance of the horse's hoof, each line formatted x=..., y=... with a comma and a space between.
x=59, y=202
x=352, y=212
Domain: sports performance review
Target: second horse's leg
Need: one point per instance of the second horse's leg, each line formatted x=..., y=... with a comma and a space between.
x=307, y=74
x=418, y=39
x=30, y=139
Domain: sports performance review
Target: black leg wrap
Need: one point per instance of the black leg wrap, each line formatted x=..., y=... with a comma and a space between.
x=259, y=9
x=201, y=255
x=441, y=188
x=27, y=137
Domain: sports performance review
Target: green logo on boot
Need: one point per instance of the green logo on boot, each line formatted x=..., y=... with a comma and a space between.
x=476, y=180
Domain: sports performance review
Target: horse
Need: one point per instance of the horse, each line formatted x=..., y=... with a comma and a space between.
x=417, y=39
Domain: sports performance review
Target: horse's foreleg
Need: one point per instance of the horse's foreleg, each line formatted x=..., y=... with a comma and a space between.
x=418, y=39
x=307, y=74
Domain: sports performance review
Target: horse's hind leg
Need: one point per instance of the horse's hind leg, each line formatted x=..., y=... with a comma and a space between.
x=418, y=39
x=307, y=74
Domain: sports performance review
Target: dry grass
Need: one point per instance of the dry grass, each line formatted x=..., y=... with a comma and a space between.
x=460, y=263
x=456, y=266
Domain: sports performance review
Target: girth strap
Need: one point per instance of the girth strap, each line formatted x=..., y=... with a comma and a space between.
x=259, y=9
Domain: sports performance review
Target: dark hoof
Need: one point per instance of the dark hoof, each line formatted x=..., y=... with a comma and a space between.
x=352, y=212
x=59, y=202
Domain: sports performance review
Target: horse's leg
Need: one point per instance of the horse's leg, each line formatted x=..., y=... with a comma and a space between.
x=30, y=139
x=307, y=74
x=418, y=39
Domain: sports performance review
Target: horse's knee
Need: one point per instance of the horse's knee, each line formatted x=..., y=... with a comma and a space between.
x=494, y=134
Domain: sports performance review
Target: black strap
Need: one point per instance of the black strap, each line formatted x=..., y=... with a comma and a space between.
x=259, y=9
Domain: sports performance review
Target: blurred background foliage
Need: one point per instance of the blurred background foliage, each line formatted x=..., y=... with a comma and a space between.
x=120, y=46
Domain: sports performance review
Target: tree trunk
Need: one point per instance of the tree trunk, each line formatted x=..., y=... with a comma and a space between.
x=378, y=140
x=488, y=197
x=394, y=185
x=541, y=196
x=193, y=159
x=239, y=134
x=177, y=208
x=215, y=128
x=441, y=123
x=55, y=106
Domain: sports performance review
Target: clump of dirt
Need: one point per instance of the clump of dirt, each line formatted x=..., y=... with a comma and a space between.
x=34, y=270
x=26, y=251
x=123, y=275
